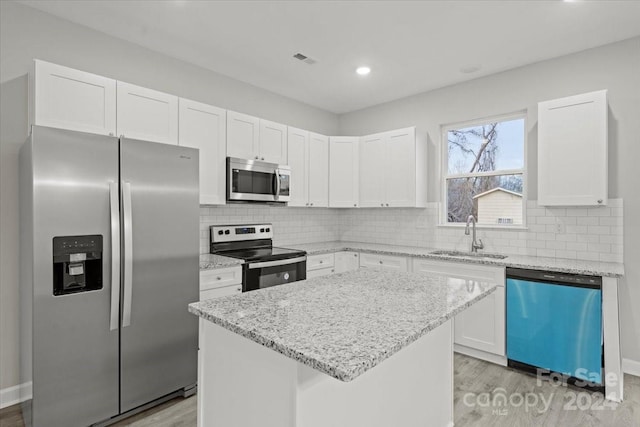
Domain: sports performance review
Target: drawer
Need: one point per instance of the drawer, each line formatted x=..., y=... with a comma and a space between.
x=319, y=272
x=315, y=262
x=220, y=292
x=460, y=269
x=220, y=277
x=390, y=262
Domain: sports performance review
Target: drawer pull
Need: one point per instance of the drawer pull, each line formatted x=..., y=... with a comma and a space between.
x=218, y=278
x=381, y=262
x=321, y=261
x=239, y=289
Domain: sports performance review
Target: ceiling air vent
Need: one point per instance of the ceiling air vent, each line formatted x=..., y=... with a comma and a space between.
x=304, y=58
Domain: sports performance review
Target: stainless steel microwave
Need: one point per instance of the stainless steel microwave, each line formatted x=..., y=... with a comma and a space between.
x=256, y=181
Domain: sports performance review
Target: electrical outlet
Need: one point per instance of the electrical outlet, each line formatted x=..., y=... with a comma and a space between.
x=561, y=228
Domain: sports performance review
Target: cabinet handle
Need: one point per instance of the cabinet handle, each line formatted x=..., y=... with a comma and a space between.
x=256, y=157
x=306, y=204
x=332, y=270
x=262, y=158
x=218, y=278
x=355, y=204
x=239, y=289
x=381, y=262
x=310, y=204
x=387, y=204
x=321, y=261
x=110, y=133
x=381, y=204
x=599, y=201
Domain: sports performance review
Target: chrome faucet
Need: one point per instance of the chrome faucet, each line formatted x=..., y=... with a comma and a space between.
x=474, y=245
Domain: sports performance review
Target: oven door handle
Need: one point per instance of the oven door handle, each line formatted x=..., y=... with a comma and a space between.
x=254, y=265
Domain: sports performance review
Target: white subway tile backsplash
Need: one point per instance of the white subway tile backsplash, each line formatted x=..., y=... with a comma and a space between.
x=586, y=233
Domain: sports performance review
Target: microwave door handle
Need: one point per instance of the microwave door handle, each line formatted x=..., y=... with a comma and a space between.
x=277, y=193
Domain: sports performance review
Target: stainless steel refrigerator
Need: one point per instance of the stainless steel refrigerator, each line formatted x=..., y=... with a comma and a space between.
x=109, y=263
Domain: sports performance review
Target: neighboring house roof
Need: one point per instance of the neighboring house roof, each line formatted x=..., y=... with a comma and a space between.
x=497, y=189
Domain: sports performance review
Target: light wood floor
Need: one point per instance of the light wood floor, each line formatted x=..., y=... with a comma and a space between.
x=476, y=384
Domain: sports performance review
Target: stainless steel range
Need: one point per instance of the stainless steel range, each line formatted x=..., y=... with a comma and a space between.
x=264, y=265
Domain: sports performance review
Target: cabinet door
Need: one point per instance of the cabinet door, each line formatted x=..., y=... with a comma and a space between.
x=386, y=262
x=72, y=99
x=147, y=114
x=242, y=135
x=572, y=150
x=481, y=326
x=321, y=261
x=374, y=171
x=318, y=182
x=220, y=292
x=400, y=173
x=346, y=261
x=273, y=142
x=343, y=172
x=204, y=127
x=297, y=146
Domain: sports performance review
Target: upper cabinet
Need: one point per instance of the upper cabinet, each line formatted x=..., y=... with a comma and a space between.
x=71, y=99
x=572, y=150
x=147, y=114
x=393, y=170
x=308, y=155
x=318, y=170
x=249, y=137
x=343, y=171
x=204, y=127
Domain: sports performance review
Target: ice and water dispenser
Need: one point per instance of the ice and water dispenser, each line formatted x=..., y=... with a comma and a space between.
x=77, y=264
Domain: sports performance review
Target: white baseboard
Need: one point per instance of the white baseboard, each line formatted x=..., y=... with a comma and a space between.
x=16, y=394
x=479, y=354
x=631, y=367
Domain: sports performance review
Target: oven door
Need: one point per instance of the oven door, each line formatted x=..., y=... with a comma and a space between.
x=250, y=180
x=259, y=275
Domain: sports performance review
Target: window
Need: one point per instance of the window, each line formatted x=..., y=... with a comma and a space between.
x=484, y=171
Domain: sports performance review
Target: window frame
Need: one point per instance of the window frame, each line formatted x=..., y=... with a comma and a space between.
x=444, y=169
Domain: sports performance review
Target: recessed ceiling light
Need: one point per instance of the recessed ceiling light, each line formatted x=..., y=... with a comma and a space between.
x=363, y=71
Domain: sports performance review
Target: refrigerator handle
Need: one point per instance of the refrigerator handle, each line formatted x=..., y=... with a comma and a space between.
x=115, y=255
x=128, y=254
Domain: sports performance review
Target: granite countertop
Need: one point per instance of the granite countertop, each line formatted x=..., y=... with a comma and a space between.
x=596, y=268
x=211, y=261
x=344, y=324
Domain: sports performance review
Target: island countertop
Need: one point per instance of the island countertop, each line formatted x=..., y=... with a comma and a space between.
x=344, y=324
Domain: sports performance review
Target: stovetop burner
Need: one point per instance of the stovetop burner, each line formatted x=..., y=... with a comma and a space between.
x=263, y=254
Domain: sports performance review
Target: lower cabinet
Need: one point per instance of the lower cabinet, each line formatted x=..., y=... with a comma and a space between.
x=220, y=282
x=320, y=265
x=386, y=262
x=479, y=331
x=347, y=261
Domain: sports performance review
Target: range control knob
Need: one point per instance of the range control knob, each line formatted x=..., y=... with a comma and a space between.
x=226, y=232
x=267, y=230
x=262, y=230
x=220, y=232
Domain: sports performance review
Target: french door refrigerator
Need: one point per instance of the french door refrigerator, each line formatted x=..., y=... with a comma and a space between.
x=109, y=263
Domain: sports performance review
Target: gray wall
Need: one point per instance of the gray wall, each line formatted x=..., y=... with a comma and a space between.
x=27, y=34
x=615, y=67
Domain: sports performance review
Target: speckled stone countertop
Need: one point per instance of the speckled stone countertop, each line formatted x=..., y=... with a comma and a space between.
x=211, y=261
x=344, y=324
x=595, y=268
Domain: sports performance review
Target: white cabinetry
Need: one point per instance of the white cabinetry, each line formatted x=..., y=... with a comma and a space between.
x=308, y=155
x=220, y=282
x=572, y=150
x=147, y=114
x=343, y=171
x=204, y=127
x=386, y=262
x=320, y=265
x=72, y=99
x=393, y=170
x=480, y=329
x=249, y=137
x=346, y=261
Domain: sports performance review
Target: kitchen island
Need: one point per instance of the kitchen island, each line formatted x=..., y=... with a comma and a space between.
x=364, y=348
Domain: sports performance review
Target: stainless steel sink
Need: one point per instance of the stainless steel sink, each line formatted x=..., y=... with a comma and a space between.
x=462, y=254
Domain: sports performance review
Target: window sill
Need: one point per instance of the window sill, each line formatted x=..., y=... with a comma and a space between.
x=487, y=227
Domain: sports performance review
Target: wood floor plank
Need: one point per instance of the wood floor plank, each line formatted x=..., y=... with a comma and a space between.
x=472, y=377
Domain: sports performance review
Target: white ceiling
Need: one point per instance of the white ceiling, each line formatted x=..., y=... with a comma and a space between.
x=411, y=46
